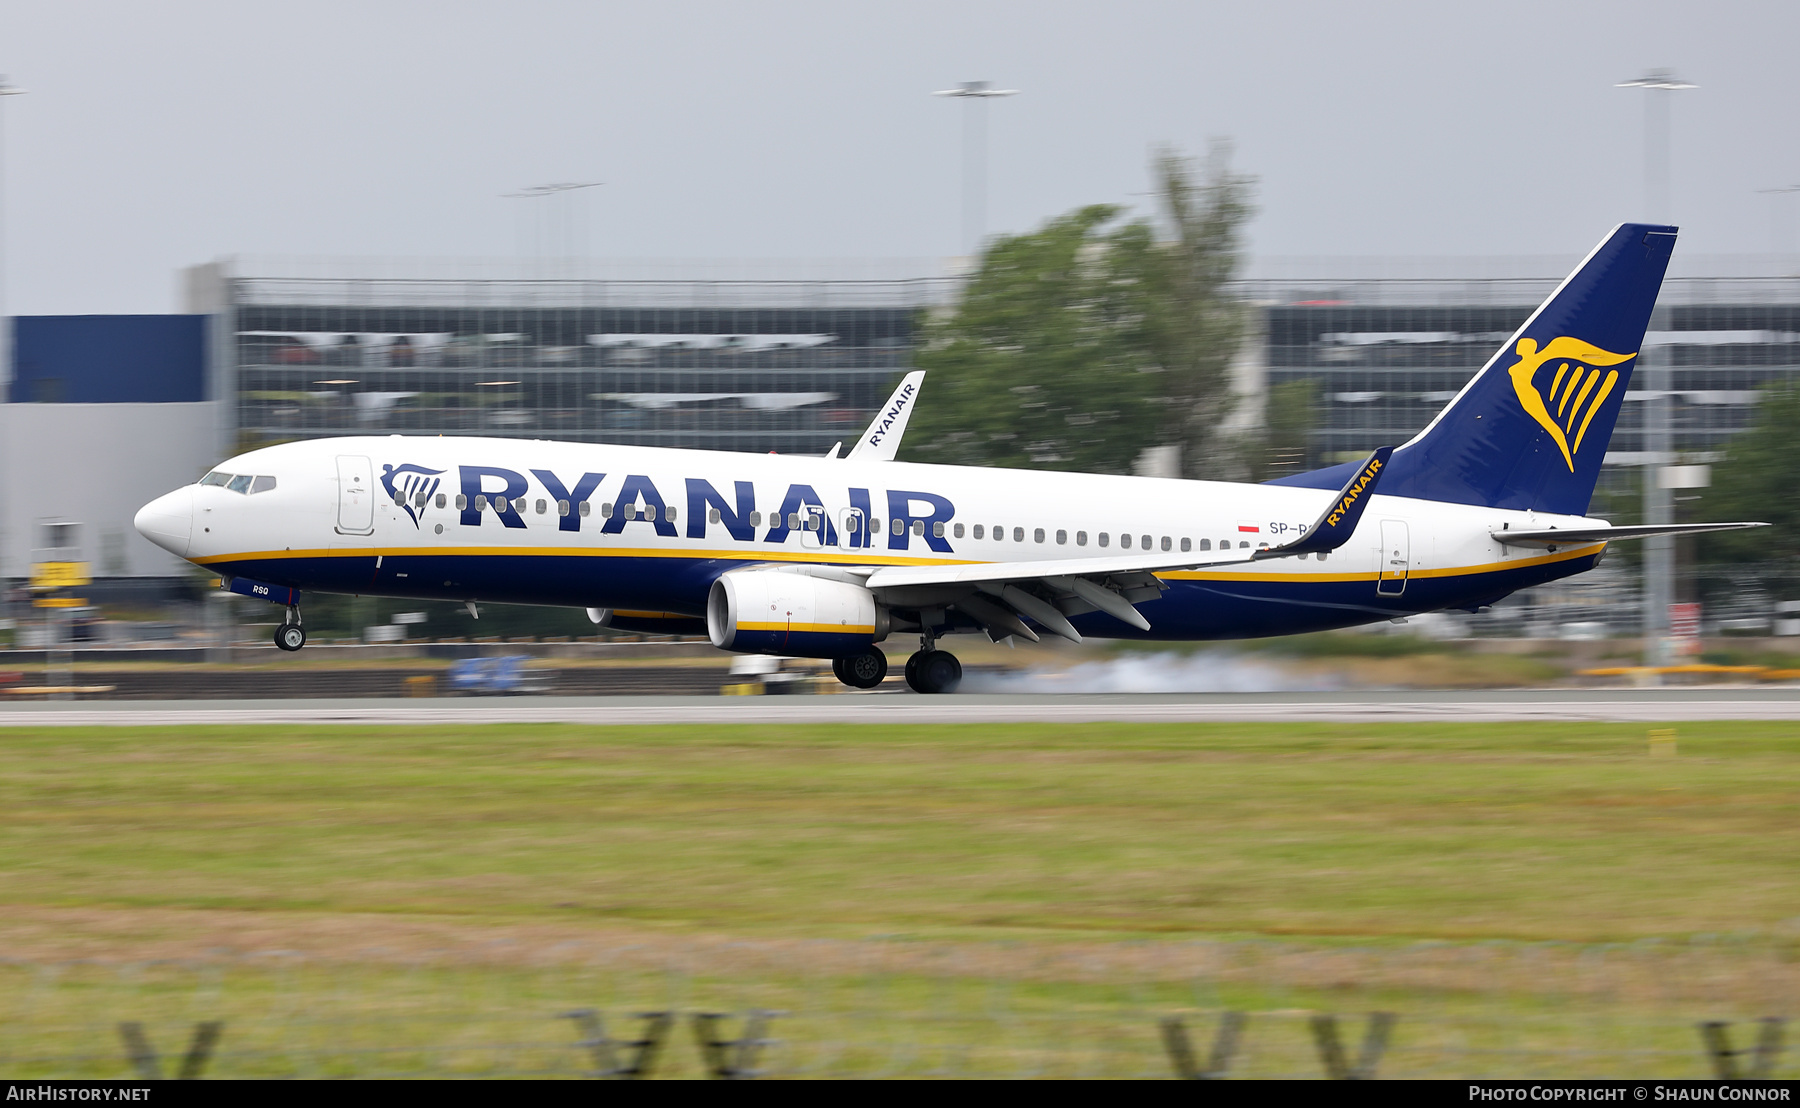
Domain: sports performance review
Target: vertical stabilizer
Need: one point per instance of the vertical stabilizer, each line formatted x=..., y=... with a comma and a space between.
x=1531, y=429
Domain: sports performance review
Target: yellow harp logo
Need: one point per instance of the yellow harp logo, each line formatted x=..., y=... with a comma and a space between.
x=1576, y=390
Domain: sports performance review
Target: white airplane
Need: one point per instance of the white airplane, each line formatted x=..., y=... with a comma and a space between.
x=828, y=557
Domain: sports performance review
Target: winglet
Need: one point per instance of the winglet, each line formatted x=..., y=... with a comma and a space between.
x=880, y=442
x=1338, y=522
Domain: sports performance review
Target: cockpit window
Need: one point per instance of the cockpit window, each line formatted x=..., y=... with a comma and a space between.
x=240, y=483
x=262, y=484
x=216, y=477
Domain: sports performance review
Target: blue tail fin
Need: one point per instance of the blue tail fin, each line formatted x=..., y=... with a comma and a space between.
x=1530, y=430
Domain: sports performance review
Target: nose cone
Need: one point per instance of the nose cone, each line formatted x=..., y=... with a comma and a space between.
x=168, y=521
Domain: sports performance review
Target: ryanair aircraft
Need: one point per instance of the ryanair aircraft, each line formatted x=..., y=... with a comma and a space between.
x=828, y=557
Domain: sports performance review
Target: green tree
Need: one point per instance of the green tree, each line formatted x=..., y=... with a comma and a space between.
x=1197, y=327
x=1081, y=343
x=1759, y=479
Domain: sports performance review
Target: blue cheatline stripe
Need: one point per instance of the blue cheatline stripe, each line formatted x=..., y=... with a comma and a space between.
x=1217, y=605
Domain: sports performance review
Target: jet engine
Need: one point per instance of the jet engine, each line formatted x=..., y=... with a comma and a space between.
x=772, y=611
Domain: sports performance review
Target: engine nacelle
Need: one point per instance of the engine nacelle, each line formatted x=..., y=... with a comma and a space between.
x=769, y=611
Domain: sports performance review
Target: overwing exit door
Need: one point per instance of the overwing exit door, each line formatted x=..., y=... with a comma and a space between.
x=1393, y=558
x=356, y=495
x=850, y=530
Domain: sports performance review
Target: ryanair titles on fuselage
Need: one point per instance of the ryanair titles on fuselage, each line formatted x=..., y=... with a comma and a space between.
x=905, y=515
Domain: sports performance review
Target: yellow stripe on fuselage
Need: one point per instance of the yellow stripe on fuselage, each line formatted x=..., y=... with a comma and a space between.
x=829, y=558
x=816, y=628
x=1223, y=573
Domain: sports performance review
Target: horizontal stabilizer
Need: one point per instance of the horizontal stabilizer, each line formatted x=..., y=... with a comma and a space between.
x=1564, y=536
x=1338, y=521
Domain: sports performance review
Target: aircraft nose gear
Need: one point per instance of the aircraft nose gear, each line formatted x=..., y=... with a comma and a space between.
x=861, y=671
x=290, y=635
x=933, y=671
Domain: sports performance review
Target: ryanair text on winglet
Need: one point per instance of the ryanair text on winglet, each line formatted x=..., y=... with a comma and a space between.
x=1350, y=496
x=888, y=417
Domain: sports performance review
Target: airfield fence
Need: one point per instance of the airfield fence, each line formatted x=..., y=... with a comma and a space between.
x=913, y=1009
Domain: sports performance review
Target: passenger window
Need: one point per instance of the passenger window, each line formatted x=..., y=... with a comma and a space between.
x=629, y=511
x=1037, y=534
x=712, y=516
x=1018, y=534
x=542, y=507
x=1124, y=542
x=462, y=502
x=587, y=506
x=875, y=525
x=1206, y=544
x=216, y=477
x=519, y=505
x=1103, y=538
x=481, y=502
x=240, y=483
x=1243, y=546
x=919, y=527
x=562, y=507
x=980, y=531
x=440, y=500
x=793, y=521
x=399, y=499
x=1322, y=554
x=1187, y=545
x=1081, y=538
x=418, y=501
x=669, y=513
x=815, y=522
x=264, y=484
x=959, y=531
x=1165, y=543
x=1062, y=538
x=650, y=512
x=937, y=530
x=606, y=509
x=1145, y=543
x=897, y=524
x=756, y=519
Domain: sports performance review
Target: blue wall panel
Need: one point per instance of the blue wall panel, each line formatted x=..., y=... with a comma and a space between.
x=109, y=359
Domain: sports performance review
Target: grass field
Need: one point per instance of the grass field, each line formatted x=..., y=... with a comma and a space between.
x=790, y=866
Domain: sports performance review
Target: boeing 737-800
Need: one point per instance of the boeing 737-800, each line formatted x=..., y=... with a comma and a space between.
x=828, y=557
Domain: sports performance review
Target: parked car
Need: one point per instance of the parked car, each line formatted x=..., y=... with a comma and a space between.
x=499, y=676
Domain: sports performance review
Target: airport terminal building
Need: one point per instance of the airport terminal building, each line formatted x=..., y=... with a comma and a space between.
x=761, y=363
x=778, y=357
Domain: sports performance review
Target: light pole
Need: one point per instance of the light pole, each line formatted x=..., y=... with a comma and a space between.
x=7, y=88
x=975, y=95
x=1659, y=502
x=551, y=232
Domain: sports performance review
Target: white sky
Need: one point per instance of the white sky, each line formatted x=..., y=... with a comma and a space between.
x=159, y=135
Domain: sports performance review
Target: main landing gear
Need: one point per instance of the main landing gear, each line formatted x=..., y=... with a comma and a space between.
x=290, y=635
x=861, y=671
x=933, y=671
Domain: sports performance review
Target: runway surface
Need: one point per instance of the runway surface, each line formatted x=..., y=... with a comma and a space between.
x=1615, y=705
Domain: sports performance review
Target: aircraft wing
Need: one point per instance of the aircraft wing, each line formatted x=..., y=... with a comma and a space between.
x=880, y=442
x=1566, y=536
x=1049, y=591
